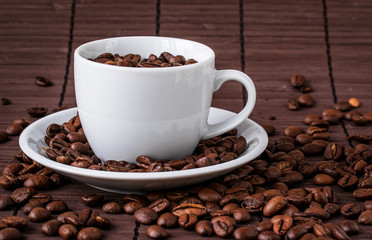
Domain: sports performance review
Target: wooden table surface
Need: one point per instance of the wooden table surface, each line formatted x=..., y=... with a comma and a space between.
x=329, y=42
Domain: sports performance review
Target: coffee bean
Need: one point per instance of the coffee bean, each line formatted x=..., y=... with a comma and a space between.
x=332, y=116
x=145, y=216
x=291, y=178
x=6, y=202
x=160, y=205
x=349, y=115
x=17, y=222
x=281, y=224
x=240, y=215
x=167, y=220
x=190, y=208
x=339, y=233
x=56, y=207
x=306, y=100
x=112, y=208
x=274, y=205
x=156, y=232
x=297, y=81
x=43, y=81
x=350, y=210
x=367, y=205
x=44, y=198
x=332, y=208
x=10, y=234
x=333, y=151
x=89, y=233
x=342, y=106
x=204, y=228
x=39, y=214
x=5, y=101
x=311, y=149
x=223, y=226
x=361, y=194
x=293, y=131
x=350, y=227
x=293, y=104
x=92, y=200
x=187, y=221
x=37, y=112
x=297, y=231
x=70, y=218
x=268, y=235
x=22, y=195
x=67, y=231
x=323, y=179
x=50, y=228
x=38, y=182
x=245, y=233
x=365, y=217
x=14, y=130
x=3, y=137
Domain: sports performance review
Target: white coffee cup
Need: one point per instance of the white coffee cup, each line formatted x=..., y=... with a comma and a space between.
x=159, y=112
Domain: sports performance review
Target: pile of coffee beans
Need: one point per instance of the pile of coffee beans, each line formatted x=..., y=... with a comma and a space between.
x=68, y=145
x=165, y=59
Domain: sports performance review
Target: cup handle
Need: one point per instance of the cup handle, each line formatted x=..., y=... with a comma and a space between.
x=223, y=76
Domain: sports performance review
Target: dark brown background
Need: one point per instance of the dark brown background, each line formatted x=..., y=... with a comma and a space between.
x=269, y=40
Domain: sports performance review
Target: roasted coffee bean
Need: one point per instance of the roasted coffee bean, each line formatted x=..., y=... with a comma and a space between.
x=145, y=216
x=350, y=210
x=15, y=222
x=156, y=232
x=92, y=200
x=67, y=231
x=22, y=195
x=264, y=226
x=70, y=218
x=270, y=129
x=240, y=215
x=274, y=205
x=8, y=181
x=167, y=220
x=333, y=151
x=50, y=228
x=209, y=195
x=291, y=178
x=323, y=179
x=223, y=226
x=39, y=214
x=311, y=149
x=281, y=224
x=363, y=138
x=268, y=235
x=56, y=207
x=348, y=182
x=88, y=217
x=204, y=228
x=361, y=194
x=332, y=208
x=303, y=139
x=350, y=227
x=190, y=208
x=332, y=116
x=3, y=137
x=5, y=101
x=44, y=198
x=339, y=233
x=297, y=231
x=14, y=130
x=293, y=131
x=293, y=104
x=321, y=231
x=43, y=81
x=37, y=112
x=349, y=115
x=38, y=182
x=10, y=234
x=245, y=233
x=160, y=205
x=187, y=221
x=365, y=217
x=367, y=205
x=297, y=81
x=112, y=208
x=89, y=233
x=6, y=202
x=131, y=207
x=31, y=205
x=317, y=212
x=342, y=106
x=306, y=100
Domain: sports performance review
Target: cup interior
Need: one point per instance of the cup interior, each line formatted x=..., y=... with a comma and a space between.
x=145, y=46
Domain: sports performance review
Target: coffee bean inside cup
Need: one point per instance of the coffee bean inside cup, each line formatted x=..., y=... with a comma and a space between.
x=165, y=59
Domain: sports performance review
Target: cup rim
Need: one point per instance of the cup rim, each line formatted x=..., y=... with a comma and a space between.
x=78, y=50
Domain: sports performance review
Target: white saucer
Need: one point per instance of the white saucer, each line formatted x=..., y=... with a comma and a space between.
x=32, y=142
